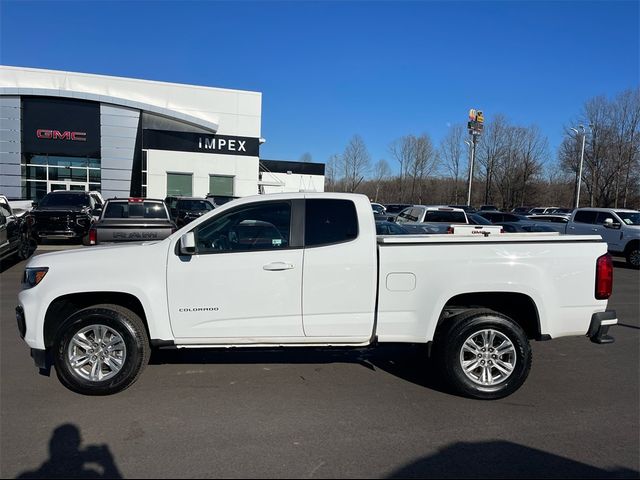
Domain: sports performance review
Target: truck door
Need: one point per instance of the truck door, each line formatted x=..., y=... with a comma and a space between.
x=609, y=235
x=583, y=223
x=340, y=270
x=245, y=280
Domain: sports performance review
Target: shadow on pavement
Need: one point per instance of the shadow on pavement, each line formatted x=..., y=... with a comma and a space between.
x=67, y=460
x=621, y=263
x=500, y=459
x=408, y=362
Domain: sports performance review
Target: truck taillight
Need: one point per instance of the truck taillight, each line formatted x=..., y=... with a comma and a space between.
x=604, y=277
x=502, y=230
x=93, y=236
x=450, y=229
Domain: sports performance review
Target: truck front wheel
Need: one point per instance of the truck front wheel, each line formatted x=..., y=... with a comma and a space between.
x=101, y=350
x=483, y=354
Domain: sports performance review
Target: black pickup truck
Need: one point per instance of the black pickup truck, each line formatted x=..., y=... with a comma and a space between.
x=63, y=215
x=132, y=220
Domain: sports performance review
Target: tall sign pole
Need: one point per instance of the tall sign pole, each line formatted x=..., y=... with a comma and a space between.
x=475, y=126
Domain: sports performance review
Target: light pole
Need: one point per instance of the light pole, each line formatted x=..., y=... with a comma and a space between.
x=471, y=155
x=584, y=136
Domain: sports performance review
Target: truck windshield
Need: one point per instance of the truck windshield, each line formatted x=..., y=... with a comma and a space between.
x=630, y=218
x=135, y=210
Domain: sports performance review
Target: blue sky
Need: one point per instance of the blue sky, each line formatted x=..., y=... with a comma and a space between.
x=329, y=70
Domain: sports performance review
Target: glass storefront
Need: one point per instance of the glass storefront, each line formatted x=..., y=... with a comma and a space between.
x=42, y=174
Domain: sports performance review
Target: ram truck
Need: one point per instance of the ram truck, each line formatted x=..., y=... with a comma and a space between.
x=131, y=220
x=307, y=269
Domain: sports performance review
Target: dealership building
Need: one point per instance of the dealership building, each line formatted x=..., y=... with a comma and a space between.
x=128, y=137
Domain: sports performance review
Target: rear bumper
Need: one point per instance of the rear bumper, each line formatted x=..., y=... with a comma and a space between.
x=59, y=234
x=599, y=327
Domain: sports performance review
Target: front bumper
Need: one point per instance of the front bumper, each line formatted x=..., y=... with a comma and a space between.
x=599, y=327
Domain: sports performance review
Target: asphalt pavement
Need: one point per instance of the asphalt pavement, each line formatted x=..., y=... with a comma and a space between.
x=302, y=413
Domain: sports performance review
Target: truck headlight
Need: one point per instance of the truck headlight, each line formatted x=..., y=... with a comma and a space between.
x=33, y=276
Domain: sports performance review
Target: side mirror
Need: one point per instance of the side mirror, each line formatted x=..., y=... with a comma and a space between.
x=188, y=244
x=608, y=223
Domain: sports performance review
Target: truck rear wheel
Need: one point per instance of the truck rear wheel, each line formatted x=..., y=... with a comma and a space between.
x=101, y=350
x=483, y=354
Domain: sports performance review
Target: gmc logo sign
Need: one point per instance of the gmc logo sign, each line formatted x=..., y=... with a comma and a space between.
x=58, y=135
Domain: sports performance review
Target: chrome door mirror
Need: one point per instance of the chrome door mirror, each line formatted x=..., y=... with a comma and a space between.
x=188, y=244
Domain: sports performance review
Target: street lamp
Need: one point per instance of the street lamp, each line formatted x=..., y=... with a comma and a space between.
x=584, y=136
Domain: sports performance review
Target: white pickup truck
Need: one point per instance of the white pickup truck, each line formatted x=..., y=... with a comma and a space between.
x=308, y=270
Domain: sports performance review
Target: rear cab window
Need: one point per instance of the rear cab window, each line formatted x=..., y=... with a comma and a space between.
x=329, y=221
x=438, y=216
x=124, y=209
x=585, y=216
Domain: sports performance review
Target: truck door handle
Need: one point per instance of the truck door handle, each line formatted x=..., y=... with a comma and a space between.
x=278, y=266
x=595, y=230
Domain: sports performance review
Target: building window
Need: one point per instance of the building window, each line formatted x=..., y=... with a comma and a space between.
x=221, y=185
x=179, y=184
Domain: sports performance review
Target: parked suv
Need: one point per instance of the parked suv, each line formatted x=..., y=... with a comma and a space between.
x=219, y=200
x=619, y=227
x=63, y=215
x=186, y=209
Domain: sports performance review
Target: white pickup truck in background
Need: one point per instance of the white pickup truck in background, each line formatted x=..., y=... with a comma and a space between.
x=308, y=270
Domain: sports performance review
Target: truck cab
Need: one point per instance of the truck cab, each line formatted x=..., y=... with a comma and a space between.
x=619, y=227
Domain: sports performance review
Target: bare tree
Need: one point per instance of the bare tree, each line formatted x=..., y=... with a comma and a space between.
x=401, y=150
x=381, y=171
x=489, y=152
x=355, y=161
x=611, y=163
x=332, y=167
x=625, y=123
x=452, y=154
x=423, y=163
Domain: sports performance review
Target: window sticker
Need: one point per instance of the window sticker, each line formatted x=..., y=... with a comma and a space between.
x=276, y=242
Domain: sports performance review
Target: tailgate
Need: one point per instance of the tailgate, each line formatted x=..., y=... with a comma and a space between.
x=134, y=231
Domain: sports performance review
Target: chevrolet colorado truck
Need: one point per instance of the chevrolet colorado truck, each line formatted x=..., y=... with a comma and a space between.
x=308, y=269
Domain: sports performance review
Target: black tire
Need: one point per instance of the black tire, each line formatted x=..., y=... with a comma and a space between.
x=632, y=256
x=26, y=247
x=449, y=342
x=127, y=325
